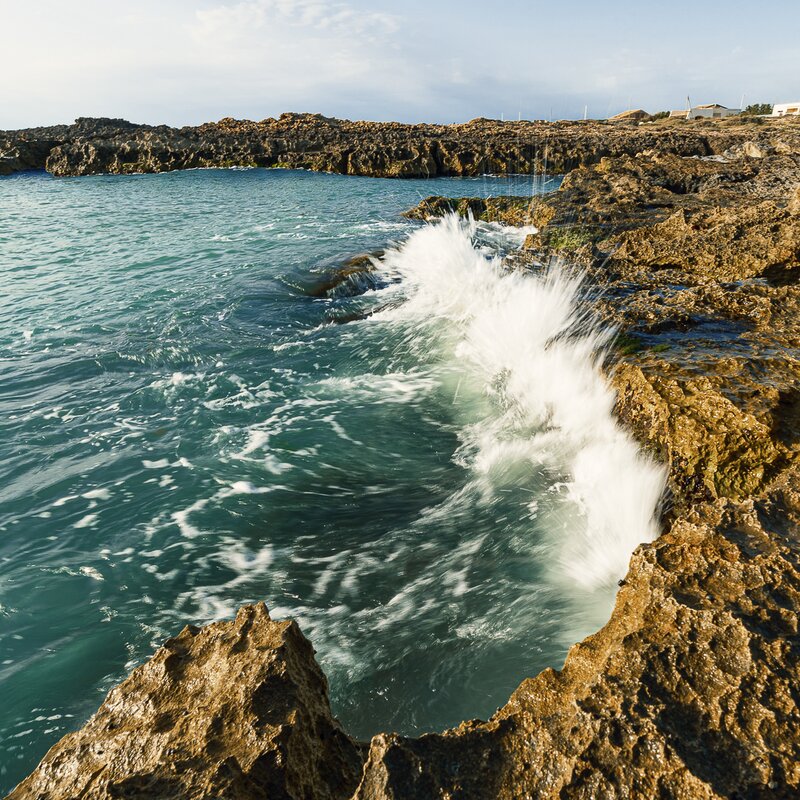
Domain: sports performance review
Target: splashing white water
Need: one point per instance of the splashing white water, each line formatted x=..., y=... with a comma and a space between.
x=527, y=341
x=438, y=595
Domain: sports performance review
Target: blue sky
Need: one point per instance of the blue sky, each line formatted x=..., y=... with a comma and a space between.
x=189, y=61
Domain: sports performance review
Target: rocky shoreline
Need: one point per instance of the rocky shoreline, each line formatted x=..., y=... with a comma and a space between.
x=692, y=689
x=378, y=149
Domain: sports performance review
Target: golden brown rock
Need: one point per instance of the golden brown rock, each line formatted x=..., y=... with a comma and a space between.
x=387, y=149
x=234, y=710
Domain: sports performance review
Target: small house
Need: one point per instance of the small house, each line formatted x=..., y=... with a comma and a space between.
x=712, y=111
x=786, y=109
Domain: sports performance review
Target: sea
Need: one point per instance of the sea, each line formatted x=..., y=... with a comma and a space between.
x=204, y=402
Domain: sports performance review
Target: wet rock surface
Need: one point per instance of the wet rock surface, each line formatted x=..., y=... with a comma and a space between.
x=692, y=688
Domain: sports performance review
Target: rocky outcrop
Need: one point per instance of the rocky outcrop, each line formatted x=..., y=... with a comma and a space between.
x=237, y=710
x=384, y=149
x=690, y=691
x=661, y=217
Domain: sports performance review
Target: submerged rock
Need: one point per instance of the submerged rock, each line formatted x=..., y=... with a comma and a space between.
x=353, y=277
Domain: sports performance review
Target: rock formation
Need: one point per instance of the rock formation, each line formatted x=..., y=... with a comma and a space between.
x=381, y=149
x=237, y=710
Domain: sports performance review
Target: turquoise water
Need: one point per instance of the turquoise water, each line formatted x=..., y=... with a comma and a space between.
x=185, y=428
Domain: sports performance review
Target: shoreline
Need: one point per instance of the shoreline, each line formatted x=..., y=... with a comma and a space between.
x=689, y=690
x=374, y=149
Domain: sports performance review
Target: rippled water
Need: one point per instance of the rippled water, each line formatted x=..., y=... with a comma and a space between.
x=438, y=499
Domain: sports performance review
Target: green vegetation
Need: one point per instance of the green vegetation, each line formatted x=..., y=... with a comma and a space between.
x=757, y=109
x=661, y=115
x=627, y=344
x=568, y=238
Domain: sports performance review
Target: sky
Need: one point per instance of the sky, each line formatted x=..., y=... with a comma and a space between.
x=184, y=62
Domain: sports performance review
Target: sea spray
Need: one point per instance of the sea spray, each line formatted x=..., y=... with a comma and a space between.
x=439, y=613
x=529, y=341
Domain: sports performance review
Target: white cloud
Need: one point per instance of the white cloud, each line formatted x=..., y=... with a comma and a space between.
x=246, y=22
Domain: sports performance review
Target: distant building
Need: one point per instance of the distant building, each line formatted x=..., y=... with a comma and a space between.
x=786, y=109
x=681, y=113
x=712, y=111
x=634, y=114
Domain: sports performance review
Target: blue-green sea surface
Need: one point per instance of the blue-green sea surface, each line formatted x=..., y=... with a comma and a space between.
x=185, y=427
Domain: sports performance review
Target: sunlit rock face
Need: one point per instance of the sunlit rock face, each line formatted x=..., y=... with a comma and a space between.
x=378, y=149
x=236, y=709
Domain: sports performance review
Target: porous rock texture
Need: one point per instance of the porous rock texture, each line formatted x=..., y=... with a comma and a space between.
x=691, y=691
x=379, y=149
x=233, y=710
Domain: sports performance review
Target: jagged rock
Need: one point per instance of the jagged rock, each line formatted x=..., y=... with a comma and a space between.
x=714, y=448
x=236, y=710
x=689, y=692
x=387, y=149
x=718, y=245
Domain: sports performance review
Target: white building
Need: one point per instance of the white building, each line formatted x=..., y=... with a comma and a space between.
x=712, y=111
x=786, y=109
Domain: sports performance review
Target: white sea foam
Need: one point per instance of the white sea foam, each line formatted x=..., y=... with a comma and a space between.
x=97, y=494
x=526, y=341
x=394, y=387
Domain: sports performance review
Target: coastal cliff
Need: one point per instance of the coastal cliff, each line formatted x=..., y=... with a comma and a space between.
x=377, y=149
x=691, y=689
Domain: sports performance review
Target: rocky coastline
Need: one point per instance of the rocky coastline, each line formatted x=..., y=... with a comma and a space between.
x=377, y=149
x=690, y=235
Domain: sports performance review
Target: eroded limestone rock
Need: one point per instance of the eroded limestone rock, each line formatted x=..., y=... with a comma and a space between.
x=385, y=149
x=233, y=710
